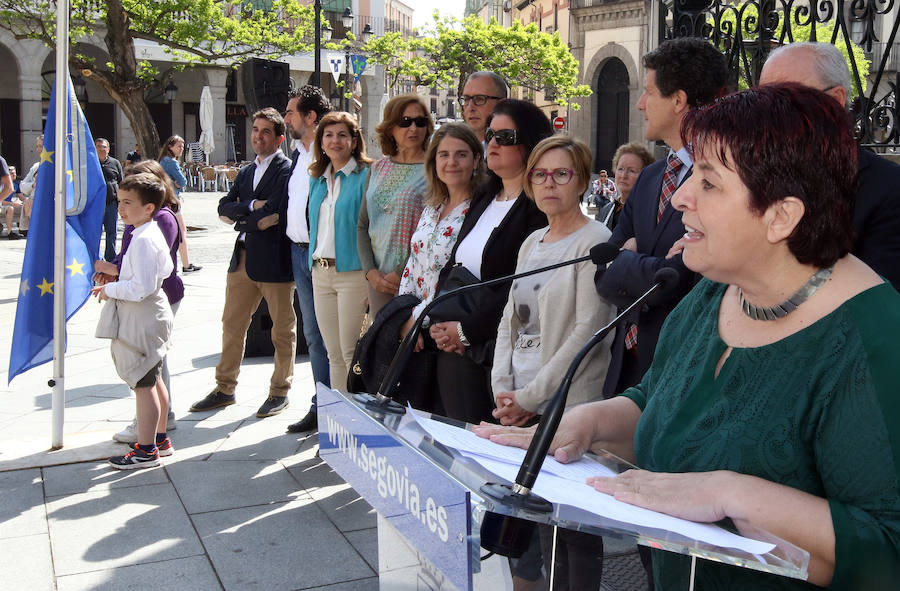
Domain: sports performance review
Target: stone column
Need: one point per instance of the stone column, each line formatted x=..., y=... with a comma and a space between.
x=217, y=78
x=31, y=55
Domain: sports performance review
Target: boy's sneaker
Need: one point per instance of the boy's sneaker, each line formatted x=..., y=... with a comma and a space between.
x=129, y=433
x=135, y=460
x=164, y=448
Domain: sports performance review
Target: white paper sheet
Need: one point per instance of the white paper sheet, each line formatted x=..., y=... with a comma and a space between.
x=565, y=484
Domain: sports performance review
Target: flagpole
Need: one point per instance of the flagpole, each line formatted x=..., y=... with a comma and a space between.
x=59, y=234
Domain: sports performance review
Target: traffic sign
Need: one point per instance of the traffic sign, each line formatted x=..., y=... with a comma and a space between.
x=559, y=123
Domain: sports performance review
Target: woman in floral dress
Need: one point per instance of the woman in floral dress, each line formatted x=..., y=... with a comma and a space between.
x=453, y=167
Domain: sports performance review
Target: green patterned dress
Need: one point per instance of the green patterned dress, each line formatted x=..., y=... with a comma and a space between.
x=818, y=411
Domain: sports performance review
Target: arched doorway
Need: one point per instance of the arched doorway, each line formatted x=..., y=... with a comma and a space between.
x=10, y=122
x=613, y=105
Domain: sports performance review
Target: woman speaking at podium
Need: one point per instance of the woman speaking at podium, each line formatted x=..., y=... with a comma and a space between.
x=773, y=396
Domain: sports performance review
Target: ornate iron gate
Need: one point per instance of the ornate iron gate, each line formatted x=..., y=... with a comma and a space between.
x=748, y=31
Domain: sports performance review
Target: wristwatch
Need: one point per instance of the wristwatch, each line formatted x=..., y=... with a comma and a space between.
x=462, y=337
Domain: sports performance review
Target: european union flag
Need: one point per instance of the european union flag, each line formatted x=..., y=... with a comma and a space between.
x=32, y=342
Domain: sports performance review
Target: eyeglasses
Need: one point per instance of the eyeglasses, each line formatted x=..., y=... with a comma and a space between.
x=478, y=99
x=421, y=122
x=504, y=137
x=561, y=176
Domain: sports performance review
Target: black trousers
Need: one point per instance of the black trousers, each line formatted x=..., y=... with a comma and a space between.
x=579, y=559
x=464, y=388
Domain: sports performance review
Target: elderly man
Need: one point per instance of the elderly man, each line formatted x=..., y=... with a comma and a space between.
x=876, y=216
x=480, y=95
x=260, y=268
x=113, y=174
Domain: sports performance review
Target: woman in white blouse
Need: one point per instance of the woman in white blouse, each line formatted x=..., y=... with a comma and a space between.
x=336, y=185
x=454, y=166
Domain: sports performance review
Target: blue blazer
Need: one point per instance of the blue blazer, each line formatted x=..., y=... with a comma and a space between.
x=346, y=214
x=631, y=273
x=268, y=256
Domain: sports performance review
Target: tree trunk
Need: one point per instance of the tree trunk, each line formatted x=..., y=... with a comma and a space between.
x=132, y=104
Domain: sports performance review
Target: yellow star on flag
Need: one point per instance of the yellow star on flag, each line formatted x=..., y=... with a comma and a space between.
x=69, y=174
x=23, y=289
x=76, y=268
x=47, y=156
x=46, y=287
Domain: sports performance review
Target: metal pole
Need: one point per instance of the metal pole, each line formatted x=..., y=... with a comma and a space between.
x=349, y=85
x=59, y=233
x=317, y=53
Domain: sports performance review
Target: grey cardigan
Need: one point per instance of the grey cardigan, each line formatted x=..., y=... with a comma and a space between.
x=570, y=312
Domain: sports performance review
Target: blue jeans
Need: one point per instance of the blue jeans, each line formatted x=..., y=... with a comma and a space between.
x=110, y=219
x=318, y=357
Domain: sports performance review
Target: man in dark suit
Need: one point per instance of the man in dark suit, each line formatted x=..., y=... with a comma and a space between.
x=876, y=215
x=680, y=74
x=260, y=268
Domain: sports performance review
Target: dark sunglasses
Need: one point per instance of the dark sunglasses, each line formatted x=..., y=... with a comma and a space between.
x=504, y=137
x=421, y=122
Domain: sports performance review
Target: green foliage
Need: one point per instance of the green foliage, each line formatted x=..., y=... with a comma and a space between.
x=795, y=30
x=447, y=53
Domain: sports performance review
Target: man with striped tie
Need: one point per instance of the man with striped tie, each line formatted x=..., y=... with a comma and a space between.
x=680, y=74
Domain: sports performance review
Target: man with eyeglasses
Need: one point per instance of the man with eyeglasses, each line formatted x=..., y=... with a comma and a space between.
x=876, y=214
x=480, y=94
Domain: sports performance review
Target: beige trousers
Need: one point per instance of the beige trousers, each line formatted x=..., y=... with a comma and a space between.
x=340, y=300
x=242, y=296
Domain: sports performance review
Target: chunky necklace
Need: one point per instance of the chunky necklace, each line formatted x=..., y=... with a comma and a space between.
x=788, y=305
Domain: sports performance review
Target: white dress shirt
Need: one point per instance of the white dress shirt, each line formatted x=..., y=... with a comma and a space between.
x=145, y=264
x=297, y=229
x=325, y=239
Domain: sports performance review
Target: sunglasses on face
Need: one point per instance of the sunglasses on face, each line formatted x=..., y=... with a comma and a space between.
x=421, y=122
x=503, y=137
x=478, y=99
x=561, y=176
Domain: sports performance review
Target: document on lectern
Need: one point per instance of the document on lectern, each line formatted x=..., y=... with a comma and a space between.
x=555, y=483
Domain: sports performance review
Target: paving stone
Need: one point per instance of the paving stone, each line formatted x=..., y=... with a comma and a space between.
x=368, y=584
x=194, y=573
x=197, y=440
x=258, y=439
x=26, y=564
x=119, y=527
x=214, y=486
x=366, y=543
x=22, y=507
x=79, y=478
x=344, y=506
x=250, y=547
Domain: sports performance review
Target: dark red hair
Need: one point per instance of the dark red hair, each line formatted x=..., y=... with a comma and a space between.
x=787, y=140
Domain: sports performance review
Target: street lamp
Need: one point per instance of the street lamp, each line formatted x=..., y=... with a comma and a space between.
x=170, y=91
x=80, y=87
x=322, y=33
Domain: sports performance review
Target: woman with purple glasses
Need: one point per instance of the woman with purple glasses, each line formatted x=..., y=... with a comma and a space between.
x=394, y=198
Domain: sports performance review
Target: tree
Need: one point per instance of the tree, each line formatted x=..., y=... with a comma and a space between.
x=446, y=55
x=192, y=31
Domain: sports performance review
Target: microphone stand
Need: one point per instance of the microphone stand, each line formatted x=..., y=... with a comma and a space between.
x=519, y=494
x=381, y=402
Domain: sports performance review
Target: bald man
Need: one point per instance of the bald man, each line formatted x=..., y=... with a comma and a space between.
x=876, y=216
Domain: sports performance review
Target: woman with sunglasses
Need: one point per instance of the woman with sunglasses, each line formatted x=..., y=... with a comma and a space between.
x=394, y=198
x=500, y=218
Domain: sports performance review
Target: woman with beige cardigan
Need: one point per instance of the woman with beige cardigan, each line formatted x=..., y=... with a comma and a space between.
x=550, y=316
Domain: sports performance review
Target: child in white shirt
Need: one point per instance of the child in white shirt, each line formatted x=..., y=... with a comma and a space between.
x=144, y=319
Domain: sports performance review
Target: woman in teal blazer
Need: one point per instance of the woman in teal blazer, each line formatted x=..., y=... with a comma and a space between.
x=336, y=188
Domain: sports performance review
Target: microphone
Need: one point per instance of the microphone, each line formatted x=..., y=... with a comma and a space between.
x=519, y=494
x=599, y=254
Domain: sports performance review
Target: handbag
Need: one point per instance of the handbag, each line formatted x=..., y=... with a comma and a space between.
x=461, y=307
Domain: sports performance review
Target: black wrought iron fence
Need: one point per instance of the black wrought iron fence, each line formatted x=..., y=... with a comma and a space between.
x=747, y=31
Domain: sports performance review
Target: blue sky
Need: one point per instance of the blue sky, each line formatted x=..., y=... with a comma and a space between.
x=424, y=8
